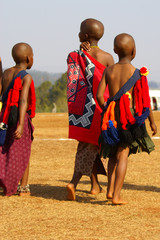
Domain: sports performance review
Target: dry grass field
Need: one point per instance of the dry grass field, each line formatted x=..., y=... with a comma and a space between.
x=47, y=215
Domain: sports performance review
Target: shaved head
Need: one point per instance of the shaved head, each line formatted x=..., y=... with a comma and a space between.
x=21, y=51
x=124, y=44
x=93, y=28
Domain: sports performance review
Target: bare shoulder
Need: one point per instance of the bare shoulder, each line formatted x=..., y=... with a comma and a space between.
x=7, y=75
x=110, y=69
x=27, y=79
x=106, y=54
x=8, y=71
x=107, y=58
x=111, y=72
x=28, y=76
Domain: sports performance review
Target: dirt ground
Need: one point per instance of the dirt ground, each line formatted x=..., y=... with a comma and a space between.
x=48, y=215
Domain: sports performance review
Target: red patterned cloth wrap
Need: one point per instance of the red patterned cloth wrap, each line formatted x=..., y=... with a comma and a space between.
x=15, y=153
x=84, y=75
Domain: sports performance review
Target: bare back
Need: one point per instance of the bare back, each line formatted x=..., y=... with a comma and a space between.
x=117, y=75
x=102, y=57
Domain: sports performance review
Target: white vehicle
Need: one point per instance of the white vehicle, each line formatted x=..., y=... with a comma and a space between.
x=155, y=99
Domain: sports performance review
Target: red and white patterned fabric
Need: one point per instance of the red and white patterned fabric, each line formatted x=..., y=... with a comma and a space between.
x=84, y=75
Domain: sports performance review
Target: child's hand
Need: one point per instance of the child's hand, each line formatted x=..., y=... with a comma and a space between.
x=105, y=103
x=18, y=133
x=85, y=46
x=153, y=128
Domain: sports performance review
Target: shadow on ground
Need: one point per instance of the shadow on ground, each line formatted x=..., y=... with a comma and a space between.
x=59, y=193
x=126, y=185
x=48, y=191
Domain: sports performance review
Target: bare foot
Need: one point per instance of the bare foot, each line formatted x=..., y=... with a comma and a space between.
x=119, y=202
x=71, y=192
x=97, y=191
x=109, y=196
x=23, y=190
x=24, y=194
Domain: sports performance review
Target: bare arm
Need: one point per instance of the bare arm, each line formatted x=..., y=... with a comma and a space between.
x=0, y=76
x=152, y=123
x=110, y=61
x=23, y=104
x=101, y=90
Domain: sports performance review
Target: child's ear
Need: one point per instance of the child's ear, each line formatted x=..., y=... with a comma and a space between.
x=115, y=50
x=86, y=36
x=133, y=52
x=27, y=59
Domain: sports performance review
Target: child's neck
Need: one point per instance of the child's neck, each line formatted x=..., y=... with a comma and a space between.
x=93, y=43
x=124, y=60
x=21, y=66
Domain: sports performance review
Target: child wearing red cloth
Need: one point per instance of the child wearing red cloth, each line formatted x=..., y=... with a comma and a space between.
x=85, y=71
x=18, y=98
x=124, y=114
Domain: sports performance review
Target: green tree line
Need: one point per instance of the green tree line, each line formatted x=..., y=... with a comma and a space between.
x=40, y=77
x=48, y=95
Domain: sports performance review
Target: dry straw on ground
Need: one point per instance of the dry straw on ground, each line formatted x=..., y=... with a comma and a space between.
x=48, y=215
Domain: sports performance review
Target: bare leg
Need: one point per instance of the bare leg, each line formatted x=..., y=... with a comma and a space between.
x=95, y=186
x=24, y=180
x=24, y=187
x=122, y=158
x=71, y=187
x=112, y=163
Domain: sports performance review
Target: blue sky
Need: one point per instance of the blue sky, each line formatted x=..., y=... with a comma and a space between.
x=51, y=27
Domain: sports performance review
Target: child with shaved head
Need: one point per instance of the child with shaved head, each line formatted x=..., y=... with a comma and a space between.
x=91, y=31
x=16, y=129
x=85, y=70
x=123, y=123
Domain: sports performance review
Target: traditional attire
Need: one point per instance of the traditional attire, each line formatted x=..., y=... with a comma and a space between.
x=15, y=153
x=125, y=126
x=84, y=74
